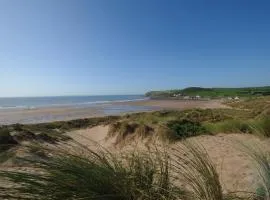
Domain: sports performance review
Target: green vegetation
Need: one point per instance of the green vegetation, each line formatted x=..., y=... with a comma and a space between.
x=246, y=116
x=212, y=92
x=259, y=126
x=229, y=126
x=178, y=125
x=185, y=128
x=165, y=125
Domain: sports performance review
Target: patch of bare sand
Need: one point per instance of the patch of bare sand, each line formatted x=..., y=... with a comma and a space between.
x=236, y=170
x=88, y=137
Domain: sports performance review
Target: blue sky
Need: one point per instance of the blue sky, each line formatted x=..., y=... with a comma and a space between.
x=77, y=47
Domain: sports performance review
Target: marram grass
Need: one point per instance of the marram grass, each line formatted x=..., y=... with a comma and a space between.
x=87, y=174
x=80, y=173
x=261, y=159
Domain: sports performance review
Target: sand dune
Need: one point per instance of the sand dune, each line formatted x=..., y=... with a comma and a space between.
x=235, y=169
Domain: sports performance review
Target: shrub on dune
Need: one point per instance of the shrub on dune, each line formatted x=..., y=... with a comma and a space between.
x=6, y=140
x=185, y=128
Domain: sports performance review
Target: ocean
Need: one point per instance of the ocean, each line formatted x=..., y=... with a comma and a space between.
x=68, y=101
x=46, y=109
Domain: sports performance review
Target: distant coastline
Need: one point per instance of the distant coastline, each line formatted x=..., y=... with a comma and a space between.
x=195, y=93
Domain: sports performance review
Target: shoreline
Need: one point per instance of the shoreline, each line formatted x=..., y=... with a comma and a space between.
x=67, y=105
x=65, y=113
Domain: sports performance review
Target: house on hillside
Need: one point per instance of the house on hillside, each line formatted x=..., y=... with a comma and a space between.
x=176, y=95
x=197, y=97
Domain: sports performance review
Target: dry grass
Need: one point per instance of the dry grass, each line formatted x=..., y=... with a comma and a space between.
x=261, y=159
x=81, y=173
x=199, y=173
x=257, y=105
x=259, y=126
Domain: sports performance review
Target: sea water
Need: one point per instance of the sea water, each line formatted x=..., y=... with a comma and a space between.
x=68, y=101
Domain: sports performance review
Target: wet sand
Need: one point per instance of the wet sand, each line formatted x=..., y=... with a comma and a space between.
x=46, y=114
x=39, y=115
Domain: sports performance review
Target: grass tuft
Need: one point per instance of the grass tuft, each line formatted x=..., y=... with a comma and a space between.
x=80, y=173
x=229, y=126
x=143, y=131
x=262, y=126
x=198, y=172
x=262, y=162
x=92, y=175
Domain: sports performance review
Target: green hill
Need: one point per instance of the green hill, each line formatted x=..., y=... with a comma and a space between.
x=211, y=92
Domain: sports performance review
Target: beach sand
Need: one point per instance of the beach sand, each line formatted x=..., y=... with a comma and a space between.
x=28, y=116
x=39, y=115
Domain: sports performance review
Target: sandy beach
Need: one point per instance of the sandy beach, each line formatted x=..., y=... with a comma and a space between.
x=49, y=114
x=39, y=115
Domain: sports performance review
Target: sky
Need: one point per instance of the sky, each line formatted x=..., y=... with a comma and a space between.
x=98, y=47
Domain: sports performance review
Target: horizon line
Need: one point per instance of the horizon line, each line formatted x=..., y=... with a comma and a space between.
x=82, y=95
